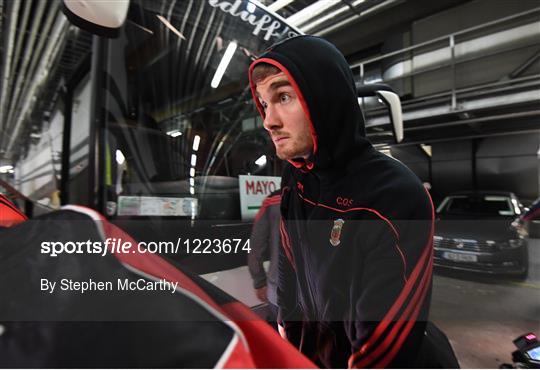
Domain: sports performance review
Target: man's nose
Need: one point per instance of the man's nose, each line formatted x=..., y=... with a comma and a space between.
x=272, y=119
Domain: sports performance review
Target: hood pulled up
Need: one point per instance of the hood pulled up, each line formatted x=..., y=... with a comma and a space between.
x=325, y=85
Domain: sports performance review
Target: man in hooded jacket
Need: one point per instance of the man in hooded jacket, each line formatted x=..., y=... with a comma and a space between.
x=355, y=267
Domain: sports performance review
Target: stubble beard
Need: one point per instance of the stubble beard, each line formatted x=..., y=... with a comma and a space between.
x=293, y=150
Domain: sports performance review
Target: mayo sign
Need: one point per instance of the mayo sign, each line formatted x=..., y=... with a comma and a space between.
x=246, y=11
x=253, y=190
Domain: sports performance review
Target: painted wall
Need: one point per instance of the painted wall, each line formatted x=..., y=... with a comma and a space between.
x=509, y=163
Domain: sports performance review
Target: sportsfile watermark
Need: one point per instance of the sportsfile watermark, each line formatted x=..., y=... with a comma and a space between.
x=121, y=246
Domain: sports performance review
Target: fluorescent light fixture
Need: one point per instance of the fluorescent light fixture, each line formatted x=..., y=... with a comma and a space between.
x=192, y=190
x=193, y=160
x=196, y=142
x=174, y=133
x=171, y=27
x=223, y=64
x=11, y=171
x=261, y=161
x=383, y=5
x=279, y=4
x=120, y=159
x=6, y=169
x=251, y=7
x=192, y=182
x=192, y=172
x=331, y=15
x=311, y=11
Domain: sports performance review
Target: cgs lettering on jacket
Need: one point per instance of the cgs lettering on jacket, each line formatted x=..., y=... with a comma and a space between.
x=346, y=202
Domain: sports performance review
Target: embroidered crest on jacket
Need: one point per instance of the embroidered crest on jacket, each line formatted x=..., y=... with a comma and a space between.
x=336, y=232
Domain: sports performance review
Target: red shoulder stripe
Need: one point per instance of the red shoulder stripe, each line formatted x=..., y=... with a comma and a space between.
x=427, y=257
x=414, y=306
x=404, y=261
x=408, y=327
x=286, y=243
x=270, y=201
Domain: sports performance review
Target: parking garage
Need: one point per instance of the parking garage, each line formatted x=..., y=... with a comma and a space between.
x=151, y=125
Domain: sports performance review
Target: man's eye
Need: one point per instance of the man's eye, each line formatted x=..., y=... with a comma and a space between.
x=284, y=98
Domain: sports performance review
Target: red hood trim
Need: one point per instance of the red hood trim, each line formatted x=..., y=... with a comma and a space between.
x=297, y=164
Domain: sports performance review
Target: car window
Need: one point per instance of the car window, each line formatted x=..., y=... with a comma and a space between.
x=478, y=205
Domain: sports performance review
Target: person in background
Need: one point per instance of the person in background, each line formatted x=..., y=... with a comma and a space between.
x=533, y=212
x=264, y=243
x=524, y=223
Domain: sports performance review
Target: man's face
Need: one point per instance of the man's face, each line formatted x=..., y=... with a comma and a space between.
x=285, y=119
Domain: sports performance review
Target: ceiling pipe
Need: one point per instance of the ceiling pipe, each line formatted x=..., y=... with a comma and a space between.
x=486, y=120
x=213, y=45
x=56, y=40
x=22, y=89
x=379, y=146
x=445, y=38
x=205, y=37
x=8, y=55
x=311, y=11
x=320, y=20
x=29, y=53
x=191, y=38
x=523, y=35
x=278, y=4
x=520, y=97
x=20, y=36
x=31, y=102
x=489, y=119
x=355, y=17
x=1, y=12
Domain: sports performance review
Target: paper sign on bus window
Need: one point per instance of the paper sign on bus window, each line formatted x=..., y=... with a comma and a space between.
x=253, y=190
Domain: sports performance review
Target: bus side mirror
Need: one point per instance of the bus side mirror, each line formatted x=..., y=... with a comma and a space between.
x=389, y=98
x=103, y=18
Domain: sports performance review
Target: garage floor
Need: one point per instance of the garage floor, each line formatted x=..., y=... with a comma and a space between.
x=482, y=316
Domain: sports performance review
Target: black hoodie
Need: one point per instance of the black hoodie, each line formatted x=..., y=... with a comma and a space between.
x=357, y=228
